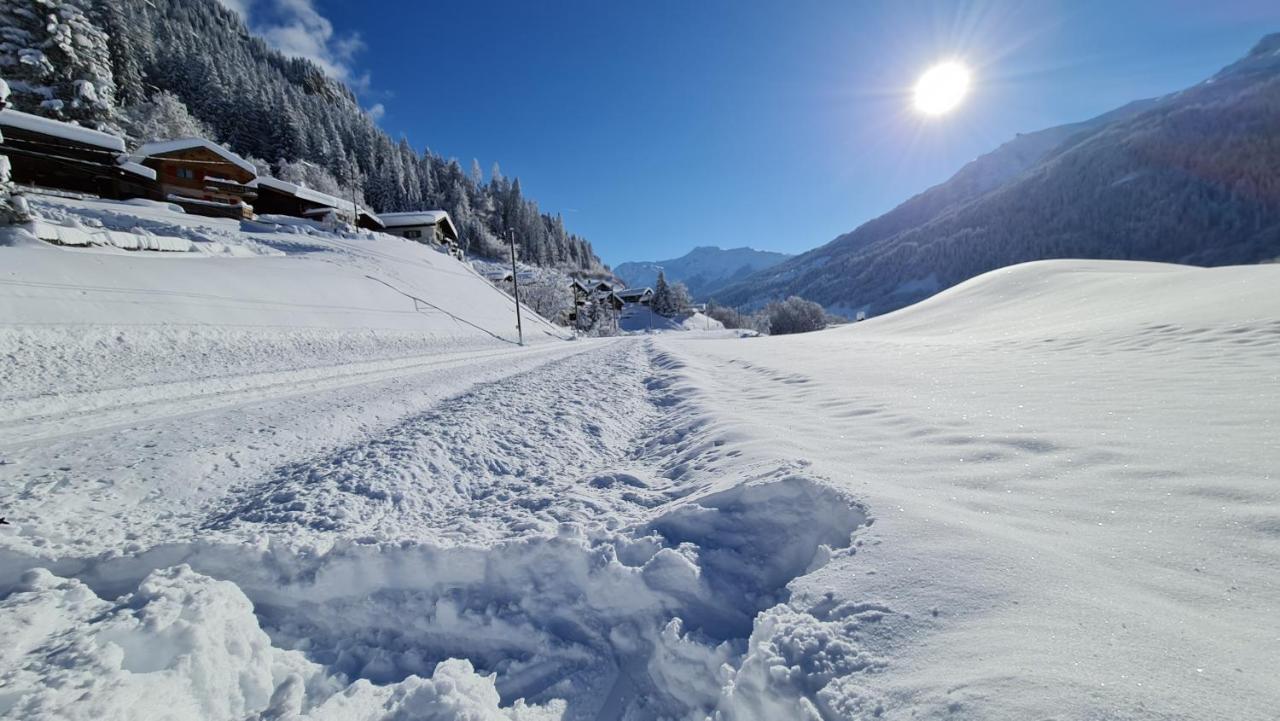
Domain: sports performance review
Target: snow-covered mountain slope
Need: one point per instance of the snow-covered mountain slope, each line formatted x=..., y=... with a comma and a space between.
x=1047, y=492
x=1071, y=470
x=250, y=306
x=704, y=269
x=1185, y=178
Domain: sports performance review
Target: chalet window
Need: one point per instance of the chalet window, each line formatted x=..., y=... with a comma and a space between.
x=415, y=234
x=186, y=173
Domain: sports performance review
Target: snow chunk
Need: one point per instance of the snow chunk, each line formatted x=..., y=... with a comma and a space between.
x=187, y=646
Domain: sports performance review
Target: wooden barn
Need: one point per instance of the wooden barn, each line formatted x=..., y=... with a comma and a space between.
x=280, y=197
x=201, y=176
x=49, y=153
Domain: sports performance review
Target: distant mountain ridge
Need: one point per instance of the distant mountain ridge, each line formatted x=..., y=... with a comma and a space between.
x=1191, y=177
x=704, y=269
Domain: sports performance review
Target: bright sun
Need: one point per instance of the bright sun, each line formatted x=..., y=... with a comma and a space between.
x=941, y=88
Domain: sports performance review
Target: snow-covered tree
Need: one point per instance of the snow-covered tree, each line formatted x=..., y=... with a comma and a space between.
x=661, y=294
x=669, y=298
x=161, y=117
x=60, y=58
x=301, y=172
x=795, y=315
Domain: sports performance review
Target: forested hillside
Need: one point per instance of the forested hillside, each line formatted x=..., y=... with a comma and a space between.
x=1187, y=178
x=177, y=67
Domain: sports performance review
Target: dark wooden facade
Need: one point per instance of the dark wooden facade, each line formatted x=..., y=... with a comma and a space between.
x=51, y=161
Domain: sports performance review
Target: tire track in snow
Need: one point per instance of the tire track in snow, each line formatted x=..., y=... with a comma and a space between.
x=506, y=459
x=615, y=553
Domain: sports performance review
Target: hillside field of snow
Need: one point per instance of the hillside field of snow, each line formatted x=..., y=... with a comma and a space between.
x=297, y=474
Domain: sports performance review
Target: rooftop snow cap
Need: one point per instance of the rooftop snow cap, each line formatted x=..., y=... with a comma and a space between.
x=302, y=191
x=165, y=147
x=66, y=131
x=421, y=217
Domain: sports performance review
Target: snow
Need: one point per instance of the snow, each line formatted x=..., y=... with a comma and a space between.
x=303, y=192
x=260, y=486
x=636, y=318
x=170, y=146
x=176, y=198
x=422, y=217
x=66, y=131
x=136, y=168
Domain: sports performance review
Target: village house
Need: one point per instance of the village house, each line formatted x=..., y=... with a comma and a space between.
x=636, y=295
x=585, y=292
x=64, y=156
x=581, y=292
x=432, y=227
x=280, y=197
x=201, y=176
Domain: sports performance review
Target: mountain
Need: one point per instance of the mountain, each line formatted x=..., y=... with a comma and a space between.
x=1188, y=178
x=173, y=68
x=705, y=269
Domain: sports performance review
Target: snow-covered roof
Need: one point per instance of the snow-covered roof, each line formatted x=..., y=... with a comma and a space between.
x=312, y=195
x=625, y=293
x=66, y=131
x=165, y=147
x=302, y=191
x=136, y=168
x=421, y=217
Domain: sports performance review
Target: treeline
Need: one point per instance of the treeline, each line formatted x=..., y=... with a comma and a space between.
x=148, y=67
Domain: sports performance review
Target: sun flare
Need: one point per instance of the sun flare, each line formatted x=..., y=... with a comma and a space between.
x=941, y=88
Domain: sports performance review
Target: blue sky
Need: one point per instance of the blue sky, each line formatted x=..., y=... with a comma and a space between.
x=655, y=127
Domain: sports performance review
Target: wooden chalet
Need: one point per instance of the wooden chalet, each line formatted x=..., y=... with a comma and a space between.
x=433, y=227
x=280, y=197
x=201, y=176
x=588, y=291
x=635, y=295
x=581, y=292
x=64, y=156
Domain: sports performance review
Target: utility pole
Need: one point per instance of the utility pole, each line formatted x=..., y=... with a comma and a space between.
x=352, y=175
x=515, y=283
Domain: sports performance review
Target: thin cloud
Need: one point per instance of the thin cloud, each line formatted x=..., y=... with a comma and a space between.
x=296, y=28
x=239, y=7
x=377, y=111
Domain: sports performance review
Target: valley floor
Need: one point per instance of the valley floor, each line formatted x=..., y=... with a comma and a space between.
x=1047, y=493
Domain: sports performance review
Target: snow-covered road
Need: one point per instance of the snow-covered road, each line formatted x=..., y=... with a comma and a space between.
x=556, y=515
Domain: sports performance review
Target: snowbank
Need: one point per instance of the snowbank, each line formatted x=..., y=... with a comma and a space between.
x=184, y=646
